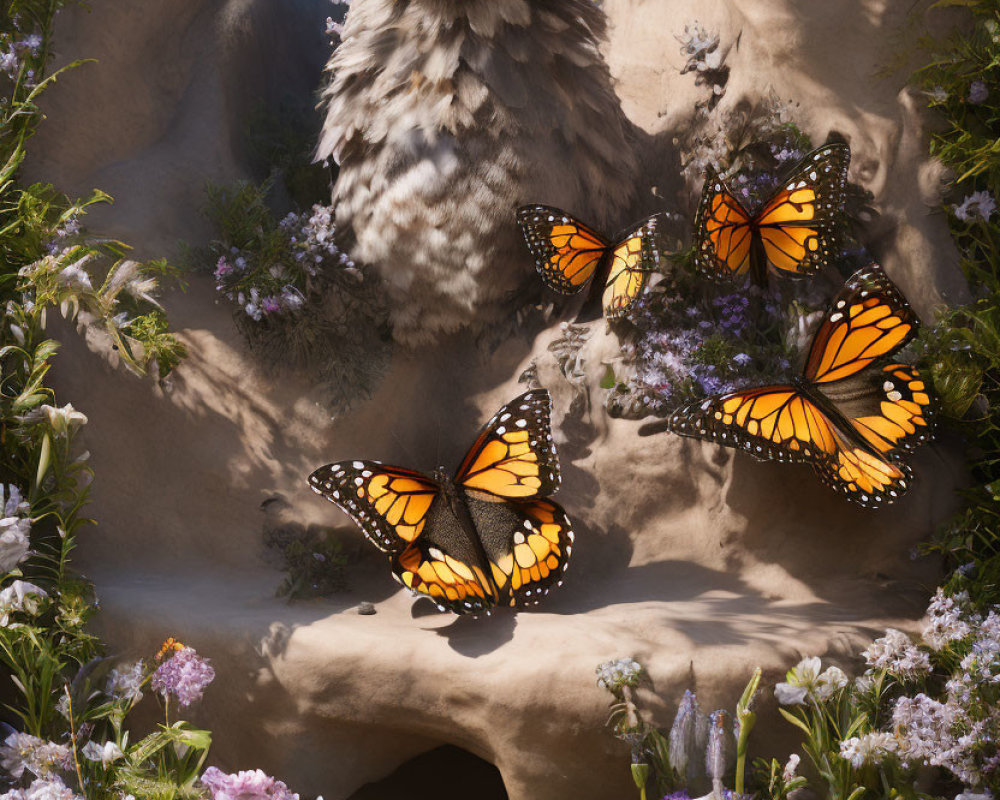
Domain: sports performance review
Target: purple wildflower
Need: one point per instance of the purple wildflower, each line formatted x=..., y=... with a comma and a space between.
x=245, y=785
x=222, y=267
x=978, y=92
x=681, y=795
x=733, y=312
x=742, y=359
x=184, y=675
x=270, y=305
x=721, y=745
x=707, y=378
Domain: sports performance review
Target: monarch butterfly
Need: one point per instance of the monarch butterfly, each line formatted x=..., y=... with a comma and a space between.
x=846, y=416
x=487, y=537
x=569, y=253
x=794, y=232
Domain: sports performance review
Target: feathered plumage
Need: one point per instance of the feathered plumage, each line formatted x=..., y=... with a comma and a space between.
x=445, y=115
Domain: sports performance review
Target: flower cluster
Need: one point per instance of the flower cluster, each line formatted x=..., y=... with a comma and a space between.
x=613, y=675
x=20, y=597
x=870, y=748
x=274, y=277
x=21, y=751
x=51, y=788
x=15, y=526
x=925, y=722
x=13, y=51
x=126, y=681
x=806, y=680
x=948, y=620
x=898, y=655
x=698, y=748
x=689, y=342
x=978, y=205
x=246, y=785
x=280, y=299
x=184, y=675
x=313, y=239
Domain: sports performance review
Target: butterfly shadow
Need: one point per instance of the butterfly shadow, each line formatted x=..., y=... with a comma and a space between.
x=473, y=637
x=832, y=544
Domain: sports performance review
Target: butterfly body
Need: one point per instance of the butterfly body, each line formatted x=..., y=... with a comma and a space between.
x=793, y=232
x=846, y=415
x=485, y=536
x=569, y=255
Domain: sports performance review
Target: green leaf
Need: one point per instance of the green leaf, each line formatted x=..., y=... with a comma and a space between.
x=798, y=723
x=44, y=459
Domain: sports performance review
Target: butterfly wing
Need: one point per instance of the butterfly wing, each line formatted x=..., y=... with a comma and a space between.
x=890, y=407
x=723, y=233
x=566, y=251
x=514, y=457
x=631, y=261
x=780, y=424
x=865, y=478
x=528, y=545
x=446, y=565
x=776, y=423
x=798, y=225
x=390, y=504
x=869, y=319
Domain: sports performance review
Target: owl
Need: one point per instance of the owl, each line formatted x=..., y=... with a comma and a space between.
x=446, y=115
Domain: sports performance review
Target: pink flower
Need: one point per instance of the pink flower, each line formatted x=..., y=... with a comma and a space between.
x=246, y=785
x=184, y=675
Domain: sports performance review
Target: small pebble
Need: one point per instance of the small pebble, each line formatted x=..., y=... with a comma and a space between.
x=366, y=609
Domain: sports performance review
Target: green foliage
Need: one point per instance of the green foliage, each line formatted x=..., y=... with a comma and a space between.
x=52, y=671
x=280, y=141
x=962, y=351
x=300, y=301
x=315, y=562
x=688, y=755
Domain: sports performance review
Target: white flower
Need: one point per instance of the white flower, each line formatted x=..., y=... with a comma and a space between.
x=20, y=596
x=897, y=654
x=947, y=620
x=126, y=681
x=938, y=734
x=801, y=681
x=291, y=298
x=13, y=502
x=76, y=277
x=871, y=748
x=9, y=62
x=107, y=753
x=831, y=681
x=63, y=705
x=51, y=788
x=15, y=752
x=22, y=751
x=791, y=767
x=62, y=420
x=14, y=542
x=977, y=204
x=612, y=675
x=967, y=795
x=937, y=94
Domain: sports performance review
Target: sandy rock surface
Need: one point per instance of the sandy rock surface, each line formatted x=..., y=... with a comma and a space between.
x=699, y=563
